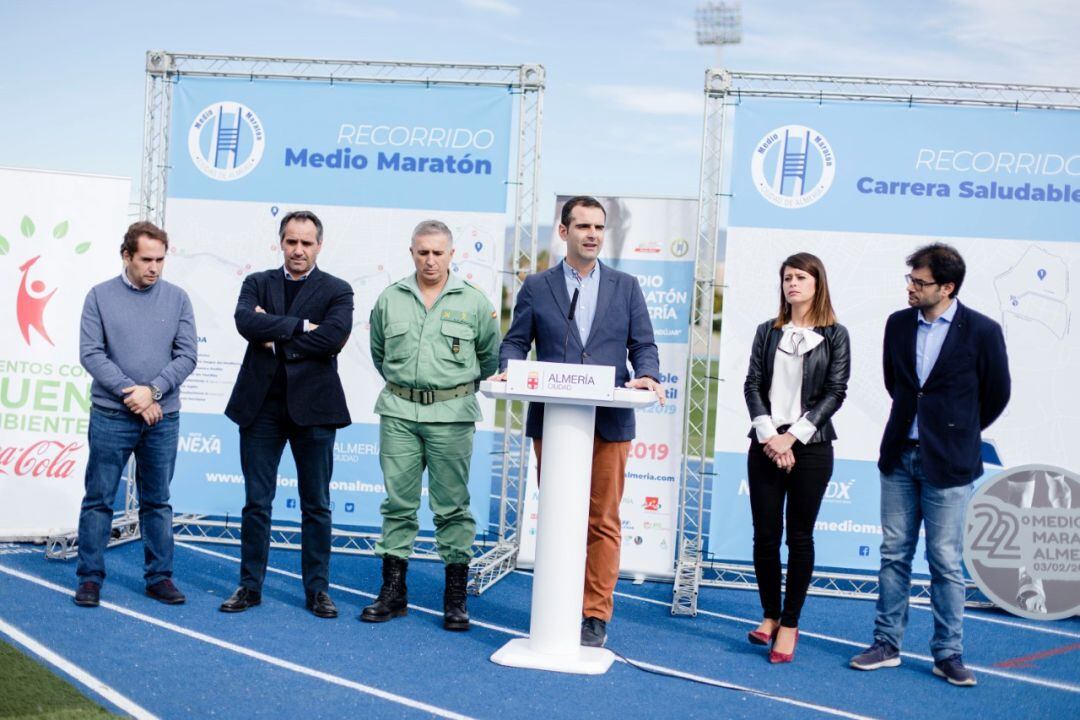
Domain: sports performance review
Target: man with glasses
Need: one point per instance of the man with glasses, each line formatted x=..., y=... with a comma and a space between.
x=948, y=374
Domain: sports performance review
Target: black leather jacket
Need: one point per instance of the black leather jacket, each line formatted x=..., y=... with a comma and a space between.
x=826, y=369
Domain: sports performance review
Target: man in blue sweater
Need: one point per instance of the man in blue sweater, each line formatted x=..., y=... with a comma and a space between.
x=137, y=341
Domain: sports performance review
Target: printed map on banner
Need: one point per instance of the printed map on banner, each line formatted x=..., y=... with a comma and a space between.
x=60, y=235
x=1003, y=189
x=372, y=161
x=654, y=240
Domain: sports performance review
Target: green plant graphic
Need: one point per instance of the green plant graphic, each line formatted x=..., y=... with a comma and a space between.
x=27, y=229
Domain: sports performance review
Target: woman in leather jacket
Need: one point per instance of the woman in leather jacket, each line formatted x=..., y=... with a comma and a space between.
x=797, y=379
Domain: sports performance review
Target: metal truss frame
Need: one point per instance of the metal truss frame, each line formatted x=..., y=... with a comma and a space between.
x=164, y=70
x=835, y=584
x=724, y=89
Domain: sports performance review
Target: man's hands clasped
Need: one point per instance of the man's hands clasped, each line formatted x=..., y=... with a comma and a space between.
x=139, y=399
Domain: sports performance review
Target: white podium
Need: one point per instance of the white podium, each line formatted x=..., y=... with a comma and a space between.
x=571, y=394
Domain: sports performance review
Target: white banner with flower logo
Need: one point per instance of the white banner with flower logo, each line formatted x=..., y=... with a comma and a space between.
x=60, y=234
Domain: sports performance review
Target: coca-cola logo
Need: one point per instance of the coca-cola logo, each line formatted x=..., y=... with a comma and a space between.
x=44, y=459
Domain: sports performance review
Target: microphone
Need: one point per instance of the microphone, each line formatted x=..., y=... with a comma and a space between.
x=570, y=321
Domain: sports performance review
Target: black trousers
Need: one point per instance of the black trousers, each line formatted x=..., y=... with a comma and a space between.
x=261, y=445
x=802, y=488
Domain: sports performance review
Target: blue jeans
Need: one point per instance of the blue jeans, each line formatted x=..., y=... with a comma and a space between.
x=908, y=499
x=113, y=436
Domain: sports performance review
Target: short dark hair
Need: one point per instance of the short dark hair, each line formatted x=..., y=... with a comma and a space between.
x=582, y=201
x=944, y=263
x=136, y=230
x=301, y=215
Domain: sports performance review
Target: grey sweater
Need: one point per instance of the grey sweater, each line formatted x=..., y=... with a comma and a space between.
x=137, y=337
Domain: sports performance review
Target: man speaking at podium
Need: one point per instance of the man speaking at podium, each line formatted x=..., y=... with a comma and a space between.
x=582, y=311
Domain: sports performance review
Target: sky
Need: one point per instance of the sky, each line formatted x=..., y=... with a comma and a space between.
x=623, y=102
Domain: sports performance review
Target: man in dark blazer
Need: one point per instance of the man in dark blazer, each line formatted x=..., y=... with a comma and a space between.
x=296, y=320
x=610, y=325
x=948, y=374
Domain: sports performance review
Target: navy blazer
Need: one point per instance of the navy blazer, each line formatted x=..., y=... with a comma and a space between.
x=967, y=389
x=621, y=330
x=315, y=395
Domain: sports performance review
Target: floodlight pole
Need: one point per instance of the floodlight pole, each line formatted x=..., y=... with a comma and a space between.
x=718, y=24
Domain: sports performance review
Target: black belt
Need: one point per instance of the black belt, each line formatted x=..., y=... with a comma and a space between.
x=427, y=397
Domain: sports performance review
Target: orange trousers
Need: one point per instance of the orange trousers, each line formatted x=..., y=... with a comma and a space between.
x=605, y=528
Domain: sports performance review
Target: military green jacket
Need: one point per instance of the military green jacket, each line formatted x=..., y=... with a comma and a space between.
x=455, y=342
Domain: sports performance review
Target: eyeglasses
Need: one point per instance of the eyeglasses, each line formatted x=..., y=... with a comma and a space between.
x=919, y=284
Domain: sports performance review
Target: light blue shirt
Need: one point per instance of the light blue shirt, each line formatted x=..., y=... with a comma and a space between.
x=929, y=337
x=589, y=287
x=285, y=270
x=127, y=281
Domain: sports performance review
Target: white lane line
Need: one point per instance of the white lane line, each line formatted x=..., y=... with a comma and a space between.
x=77, y=673
x=240, y=649
x=510, y=631
x=1009, y=623
x=1056, y=685
x=752, y=691
x=345, y=589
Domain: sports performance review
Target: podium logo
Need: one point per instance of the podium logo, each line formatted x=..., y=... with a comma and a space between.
x=533, y=381
x=226, y=141
x=793, y=166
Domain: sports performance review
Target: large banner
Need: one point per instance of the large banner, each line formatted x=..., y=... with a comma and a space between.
x=60, y=234
x=653, y=239
x=862, y=185
x=372, y=160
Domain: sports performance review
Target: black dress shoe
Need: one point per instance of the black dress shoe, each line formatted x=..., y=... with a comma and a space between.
x=593, y=632
x=165, y=591
x=88, y=595
x=321, y=605
x=241, y=600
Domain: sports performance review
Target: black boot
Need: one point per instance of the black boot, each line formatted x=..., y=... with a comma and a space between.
x=393, y=600
x=455, y=615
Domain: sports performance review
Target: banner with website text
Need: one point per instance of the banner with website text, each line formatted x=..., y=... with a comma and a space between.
x=60, y=235
x=371, y=160
x=653, y=239
x=862, y=185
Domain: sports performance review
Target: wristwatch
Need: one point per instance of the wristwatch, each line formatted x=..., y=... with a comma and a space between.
x=155, y=392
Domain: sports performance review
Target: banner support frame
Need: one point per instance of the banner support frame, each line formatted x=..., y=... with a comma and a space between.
x=722, y=88
x=164, y=69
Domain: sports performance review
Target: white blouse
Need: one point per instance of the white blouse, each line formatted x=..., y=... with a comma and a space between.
x=785, y=392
